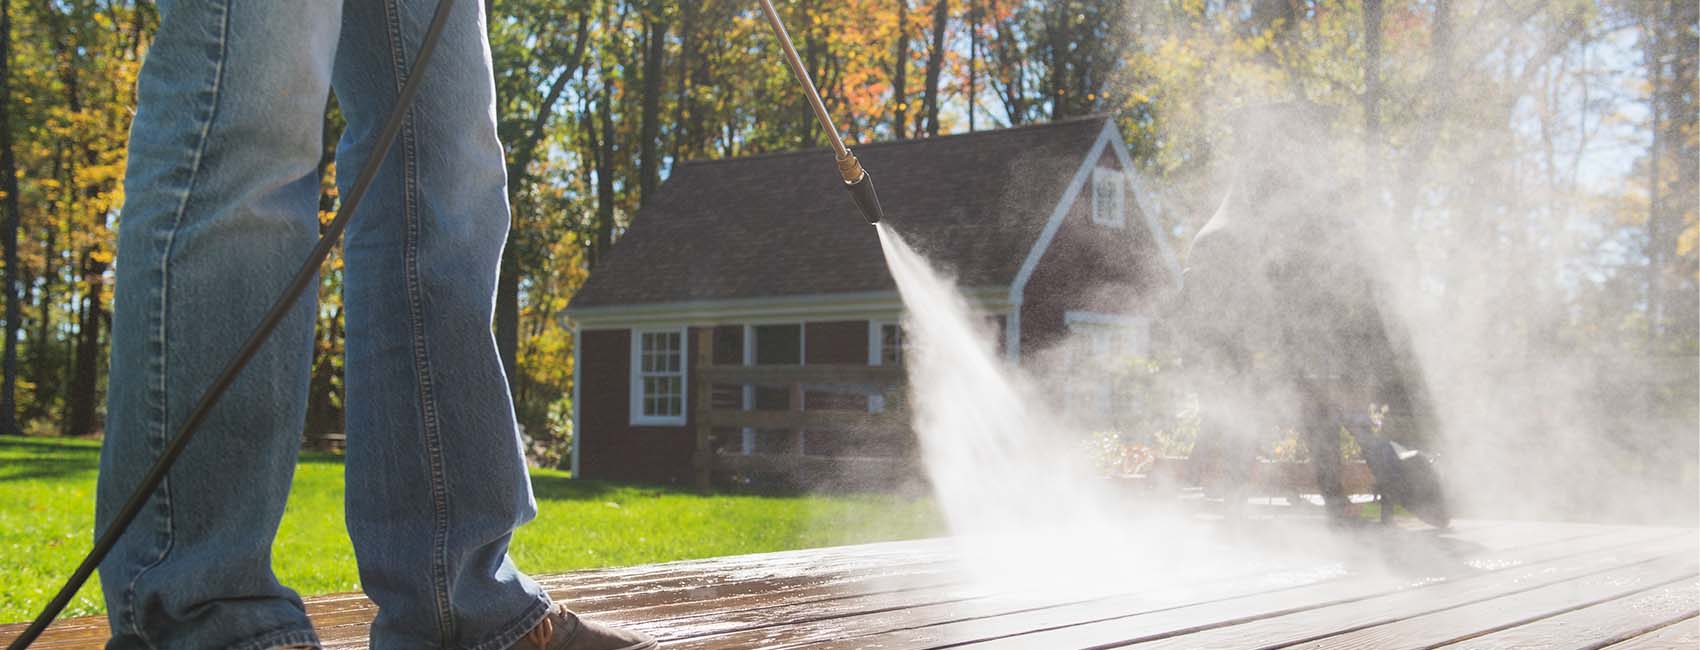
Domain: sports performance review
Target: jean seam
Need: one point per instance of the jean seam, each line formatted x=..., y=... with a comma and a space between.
x=162, y=406
x=511, y=633
x=421, y=356
x=279, y=638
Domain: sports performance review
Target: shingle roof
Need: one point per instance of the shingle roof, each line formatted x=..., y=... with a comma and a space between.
x=782, y=224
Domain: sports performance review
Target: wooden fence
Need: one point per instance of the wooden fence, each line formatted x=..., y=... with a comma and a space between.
x=850, y=415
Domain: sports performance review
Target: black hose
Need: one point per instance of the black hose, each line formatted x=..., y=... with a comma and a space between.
x=303, y=277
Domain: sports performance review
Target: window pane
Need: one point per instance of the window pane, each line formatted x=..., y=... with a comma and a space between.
x=778, y=344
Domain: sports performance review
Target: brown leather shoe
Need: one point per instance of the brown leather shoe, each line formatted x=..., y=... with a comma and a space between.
x=564, y=630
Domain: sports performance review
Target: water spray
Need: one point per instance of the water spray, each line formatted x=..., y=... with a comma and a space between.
x=856, y=179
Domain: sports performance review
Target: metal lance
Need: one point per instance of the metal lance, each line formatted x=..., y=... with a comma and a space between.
x=856, y=179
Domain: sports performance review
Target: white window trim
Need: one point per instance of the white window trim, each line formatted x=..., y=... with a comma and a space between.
x=1140, y=324
x=747, y=436
x=635, y=406
x=876, y=356
x=876, y=340
x=1114, y=216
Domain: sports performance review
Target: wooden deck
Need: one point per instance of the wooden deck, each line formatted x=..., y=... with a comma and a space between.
x=1480, y=585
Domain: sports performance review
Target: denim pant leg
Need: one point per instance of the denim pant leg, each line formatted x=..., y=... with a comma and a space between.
x=436, y=479
x=220, y=209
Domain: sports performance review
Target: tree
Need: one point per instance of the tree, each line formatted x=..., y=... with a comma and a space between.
x=9, y=193
x=649, y=135
x=900, y=74
x=935, y=66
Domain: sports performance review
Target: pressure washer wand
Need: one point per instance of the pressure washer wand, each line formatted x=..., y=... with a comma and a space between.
x=856, y=179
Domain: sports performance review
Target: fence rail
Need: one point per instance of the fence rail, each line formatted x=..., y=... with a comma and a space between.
x=799, y=382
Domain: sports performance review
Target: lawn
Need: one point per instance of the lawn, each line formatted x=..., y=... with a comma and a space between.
x=47, y=515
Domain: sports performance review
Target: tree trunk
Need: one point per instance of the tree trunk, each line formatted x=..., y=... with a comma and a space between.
x=1372, y=86
x=9, y=187
x=900, y=75
x=323, y=416
x=1057, y=46
x=1655, y=55
x=973, y=57
x=1682, y=202
x=1437, y=85
x=43, y=370
x=604, y=146
x=682, y=83
x=83, y=397
x=1010, y=62
x=649, y=136
x=935, y=65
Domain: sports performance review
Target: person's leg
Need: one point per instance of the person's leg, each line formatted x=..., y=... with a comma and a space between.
x=435, y=476
x=221, y=198
x=1320, y=423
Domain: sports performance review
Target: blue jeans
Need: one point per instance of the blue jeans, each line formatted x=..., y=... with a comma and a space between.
x=220, y=208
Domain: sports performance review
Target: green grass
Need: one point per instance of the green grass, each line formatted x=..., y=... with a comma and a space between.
x=47, y=518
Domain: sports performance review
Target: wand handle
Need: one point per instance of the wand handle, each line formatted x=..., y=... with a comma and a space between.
x=808, y=85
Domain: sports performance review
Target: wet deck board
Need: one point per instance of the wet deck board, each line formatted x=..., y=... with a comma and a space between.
x=1480, y=585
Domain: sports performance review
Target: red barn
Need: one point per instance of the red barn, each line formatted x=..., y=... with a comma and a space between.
x=1047, y=228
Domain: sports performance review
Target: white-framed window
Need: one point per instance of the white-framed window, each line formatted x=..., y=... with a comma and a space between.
x=658, y=376
x=1098, y=344
x=891, y=344
x=885, y=348
x=1109, y=197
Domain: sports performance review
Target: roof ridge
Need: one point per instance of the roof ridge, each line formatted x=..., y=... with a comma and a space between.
x=893, y=143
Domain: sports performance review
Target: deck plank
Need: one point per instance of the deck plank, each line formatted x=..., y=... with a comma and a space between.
x=1478, y=585
x=1681, y=634
x=1167, y=610
x=1307, y=625
x=1600, y=625
x=1085, y=627
x=1462, y=623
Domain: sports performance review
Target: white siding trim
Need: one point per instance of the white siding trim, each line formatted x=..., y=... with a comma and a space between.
x=1012, y=334
x=1147, y=209
x=876, y=346
x=633, y=375
x=767, y=310
x=1073, y=316
x=578, y=408
x=876, y=340
x=1140, y=326
x=1018, y=288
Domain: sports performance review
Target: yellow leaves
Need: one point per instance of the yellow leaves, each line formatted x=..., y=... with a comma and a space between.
x=1689, y=239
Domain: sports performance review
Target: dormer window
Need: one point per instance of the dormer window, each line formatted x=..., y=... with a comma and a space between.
x=1109, y=197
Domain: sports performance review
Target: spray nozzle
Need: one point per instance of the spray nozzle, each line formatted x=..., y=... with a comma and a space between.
x=861, y=187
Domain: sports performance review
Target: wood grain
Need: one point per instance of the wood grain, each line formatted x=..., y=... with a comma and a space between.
x=1481, y=584
x=1600, y=625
